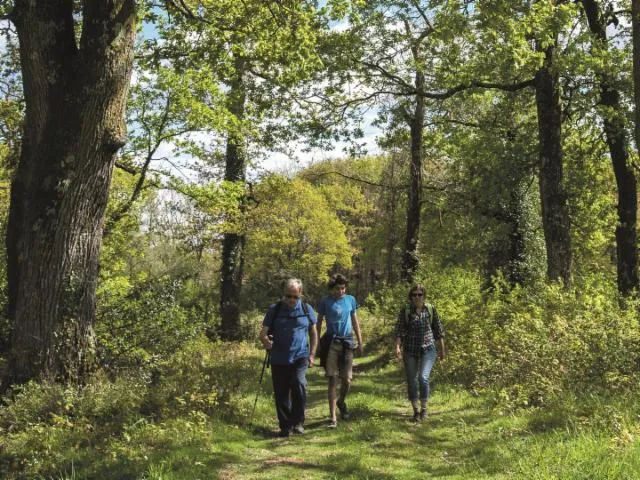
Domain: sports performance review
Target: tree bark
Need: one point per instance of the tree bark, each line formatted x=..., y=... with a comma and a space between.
x=410, y=257
x=555, y=215
x=233, y=243
x=635, y=26
x=75, y=96
x=392, y=234
x=626, y=181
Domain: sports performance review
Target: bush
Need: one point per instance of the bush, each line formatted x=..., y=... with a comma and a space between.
x=528, y=346
x=211, y=377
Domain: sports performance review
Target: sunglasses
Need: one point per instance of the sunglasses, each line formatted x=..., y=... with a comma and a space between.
x=417, y=294
x=294, y=297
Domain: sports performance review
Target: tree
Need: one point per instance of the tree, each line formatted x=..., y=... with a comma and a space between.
x=395, y=53
x=295, y=232
x=635, y=26
x=248, y=46
x=555, y=213
x=76, y=68
x=613, y=119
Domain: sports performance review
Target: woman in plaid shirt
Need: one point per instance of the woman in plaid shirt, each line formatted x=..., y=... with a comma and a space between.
x=417, y=331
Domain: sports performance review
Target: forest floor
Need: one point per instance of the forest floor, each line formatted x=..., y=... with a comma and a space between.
x=463, y=438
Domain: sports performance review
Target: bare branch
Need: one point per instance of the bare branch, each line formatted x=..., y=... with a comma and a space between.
x=507, y=87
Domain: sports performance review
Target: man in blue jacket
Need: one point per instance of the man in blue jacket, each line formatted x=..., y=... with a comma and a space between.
x=286, y=330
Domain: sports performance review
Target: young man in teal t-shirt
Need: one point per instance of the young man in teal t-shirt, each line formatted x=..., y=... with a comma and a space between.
x=339, y=310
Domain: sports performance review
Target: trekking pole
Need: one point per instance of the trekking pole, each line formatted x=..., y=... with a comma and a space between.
x=267, y=356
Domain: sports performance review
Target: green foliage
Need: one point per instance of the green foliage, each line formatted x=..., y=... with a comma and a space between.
x=207, y=377
x=293, y=231
x=142, y=323
x=529, y=346
x=107, y=428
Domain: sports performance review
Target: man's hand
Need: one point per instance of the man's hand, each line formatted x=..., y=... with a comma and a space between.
x=398, y=352
x=312, y=357
x=267, y=342
x=359, y=349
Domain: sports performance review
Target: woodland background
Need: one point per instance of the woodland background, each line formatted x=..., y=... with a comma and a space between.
x=137, y=267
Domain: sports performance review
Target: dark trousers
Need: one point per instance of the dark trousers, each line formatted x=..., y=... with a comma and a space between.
x=290, y=391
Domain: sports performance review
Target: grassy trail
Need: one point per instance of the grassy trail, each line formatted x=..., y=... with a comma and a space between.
x=461, y=439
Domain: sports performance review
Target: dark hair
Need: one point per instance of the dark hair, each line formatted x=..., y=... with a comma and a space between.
x=415, y=287
x=337, y=279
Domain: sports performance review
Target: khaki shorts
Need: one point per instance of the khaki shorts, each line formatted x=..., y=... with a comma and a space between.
x=334, y=366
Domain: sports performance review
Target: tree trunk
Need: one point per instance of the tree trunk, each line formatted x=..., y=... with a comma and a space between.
x=233, y=244
x=75, y=98
x=616, y=136
x=635, y=25
x=555, y=215
x=410, y=257
x=392, y=233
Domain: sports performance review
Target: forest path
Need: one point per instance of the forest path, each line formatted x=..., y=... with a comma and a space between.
x=461, y=438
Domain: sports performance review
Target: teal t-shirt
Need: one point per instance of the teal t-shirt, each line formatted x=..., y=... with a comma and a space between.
x=338, y=312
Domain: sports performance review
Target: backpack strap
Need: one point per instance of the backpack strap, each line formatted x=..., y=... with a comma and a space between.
x=278, y=306
x=407, y=312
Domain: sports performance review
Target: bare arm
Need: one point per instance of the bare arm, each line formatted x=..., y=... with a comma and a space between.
x=442, y=351
x=313, y=339
x=319, y=324
x=356, y=329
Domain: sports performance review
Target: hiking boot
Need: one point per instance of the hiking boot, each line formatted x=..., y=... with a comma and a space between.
x=416, y=416
x=344, y=413
x=423, y=414
x=332, y=424
x=297, y=429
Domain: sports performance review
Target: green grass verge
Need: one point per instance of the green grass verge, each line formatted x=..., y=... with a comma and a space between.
x=463, y=438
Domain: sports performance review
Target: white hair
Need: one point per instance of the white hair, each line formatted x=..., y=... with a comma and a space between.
x=293, y=283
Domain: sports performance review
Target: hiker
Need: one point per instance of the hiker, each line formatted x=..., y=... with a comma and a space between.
x=339, y=309
x=286, y=330
x=417, y=330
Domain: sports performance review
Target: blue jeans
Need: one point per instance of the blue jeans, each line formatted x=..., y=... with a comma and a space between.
x=290, y=392
x=418, y=368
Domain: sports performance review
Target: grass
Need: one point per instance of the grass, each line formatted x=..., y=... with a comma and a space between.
x=463, y=438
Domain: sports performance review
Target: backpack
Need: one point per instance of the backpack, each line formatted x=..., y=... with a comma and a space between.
x=277, y=308
x=407, y=312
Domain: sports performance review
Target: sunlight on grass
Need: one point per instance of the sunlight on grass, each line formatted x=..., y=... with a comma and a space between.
x=462, y=438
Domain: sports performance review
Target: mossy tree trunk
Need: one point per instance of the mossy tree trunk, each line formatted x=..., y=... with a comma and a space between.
x=75, y=91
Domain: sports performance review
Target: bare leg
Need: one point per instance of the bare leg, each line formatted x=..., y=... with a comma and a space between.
x=332, y=398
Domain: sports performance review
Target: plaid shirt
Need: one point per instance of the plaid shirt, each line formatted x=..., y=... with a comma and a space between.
x=417, y=331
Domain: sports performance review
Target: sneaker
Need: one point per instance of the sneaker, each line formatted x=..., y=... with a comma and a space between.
x=298, y=429
x=283, y=433
x=416, y=416
x=423, y=414
x=332, y=424
x=344, y=413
